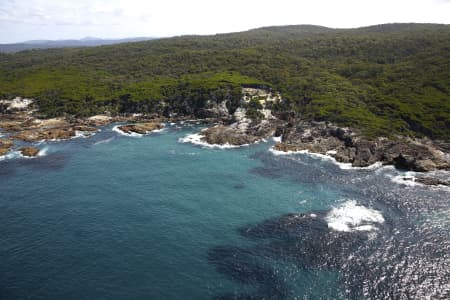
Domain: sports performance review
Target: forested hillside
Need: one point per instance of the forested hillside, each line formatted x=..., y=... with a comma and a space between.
x=384, y=79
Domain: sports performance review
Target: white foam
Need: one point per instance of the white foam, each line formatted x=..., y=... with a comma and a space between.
x=157, y=130
x=11, y=155
x=43, y=152
x=350, y=216
x=327, y=157
x=277, y=139
x=407, y=179
x=82, y=134
x=197, y=139
x=104, y=141
x=280, y=153
x=135, y=134
x=348, y=166
x=17, y=154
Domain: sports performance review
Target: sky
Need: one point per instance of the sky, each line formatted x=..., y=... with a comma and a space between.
x=22, y=20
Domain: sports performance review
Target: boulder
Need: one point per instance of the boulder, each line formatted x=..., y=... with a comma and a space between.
x=141, y=128
x=221, y=135
x=29, y=151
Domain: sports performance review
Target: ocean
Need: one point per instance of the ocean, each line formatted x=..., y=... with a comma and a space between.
x=158, y=217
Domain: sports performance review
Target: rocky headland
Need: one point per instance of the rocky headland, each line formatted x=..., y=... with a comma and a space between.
x=250, y=122
x=347, y=145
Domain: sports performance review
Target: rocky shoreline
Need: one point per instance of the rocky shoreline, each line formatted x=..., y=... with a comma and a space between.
x=349, y=146
x=20, y=123
x=345, y=145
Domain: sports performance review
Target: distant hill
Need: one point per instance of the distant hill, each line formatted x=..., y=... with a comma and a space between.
x=385, y=79
x=85, y=42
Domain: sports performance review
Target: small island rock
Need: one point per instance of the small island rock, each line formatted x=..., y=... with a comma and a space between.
x=29, y=151
x=141, y=128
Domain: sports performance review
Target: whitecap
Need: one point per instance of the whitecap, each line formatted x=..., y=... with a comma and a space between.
x=348, y=166
x=196, y=139
x=43, y=152
x=277, y=139
x=105, y=141
x=133, y=134
x=157, y=130
x=11, y=155
x=82, y=134
x=280, y=153
x=327, y=157
x=350, y=216
x=407, y=179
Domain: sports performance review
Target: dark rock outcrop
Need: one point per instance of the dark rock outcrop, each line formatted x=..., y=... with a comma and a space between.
x=221, y=135
x=141, y=128
x=29, y=151
x=348, y=146
x=238, y=133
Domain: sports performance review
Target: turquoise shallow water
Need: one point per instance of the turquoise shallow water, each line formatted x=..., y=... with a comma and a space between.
x=114, y=217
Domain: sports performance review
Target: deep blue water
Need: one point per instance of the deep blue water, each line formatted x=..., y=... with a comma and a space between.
x=116, y=217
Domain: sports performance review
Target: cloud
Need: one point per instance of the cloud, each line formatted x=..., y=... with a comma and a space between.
x=79, y=12
x=122, y=18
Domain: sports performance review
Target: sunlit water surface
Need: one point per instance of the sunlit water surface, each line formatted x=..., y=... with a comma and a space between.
x=117, y=217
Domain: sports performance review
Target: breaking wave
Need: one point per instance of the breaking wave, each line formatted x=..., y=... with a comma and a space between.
x=197, y=139
x=350, y=216
x=326, y=157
